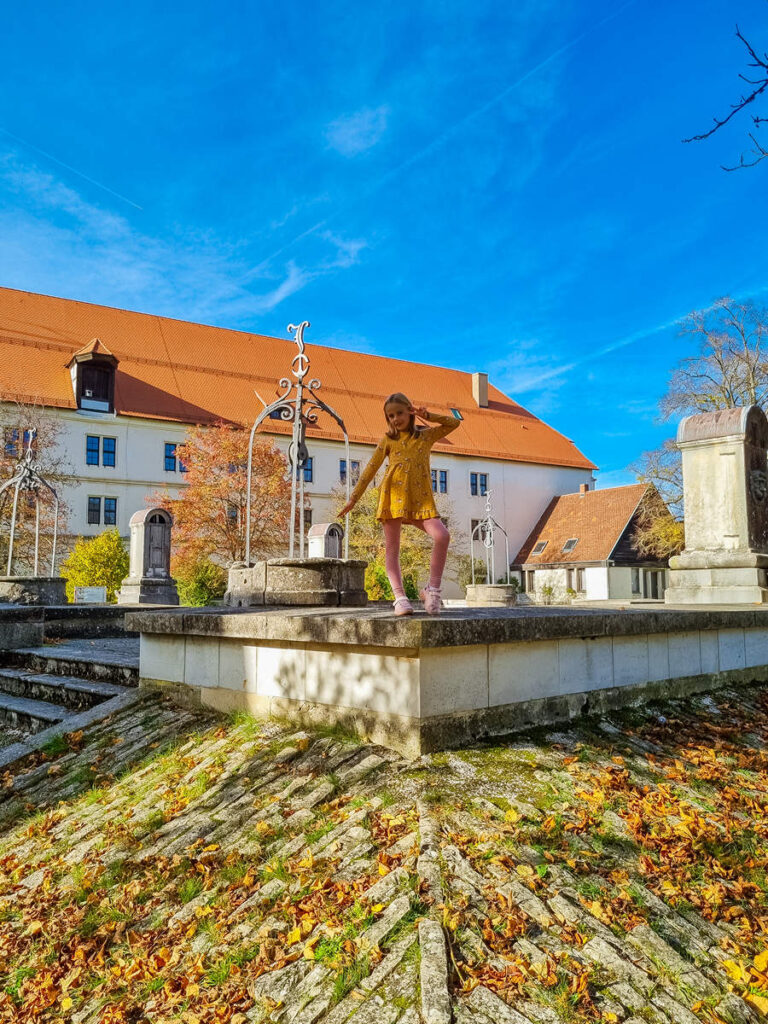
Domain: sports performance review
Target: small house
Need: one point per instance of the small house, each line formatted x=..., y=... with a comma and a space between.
x=582, y=548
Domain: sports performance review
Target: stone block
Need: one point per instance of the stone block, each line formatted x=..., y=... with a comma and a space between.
x=710, y=652
x=756, y=646
x=373, y=681
x=522, y=671
x=281, y=672
x=630, y=660
x=684, y=654
x=33, y=590
x=658, y=656
x=731, y=649
x=148, y=590
x=162, y=657
x=454, y=679
x=237, y=665
x=585, y=664
x=489, y=595
x=246, y=585
x=201, y=661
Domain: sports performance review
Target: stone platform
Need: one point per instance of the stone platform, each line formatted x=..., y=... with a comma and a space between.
x=421, y=684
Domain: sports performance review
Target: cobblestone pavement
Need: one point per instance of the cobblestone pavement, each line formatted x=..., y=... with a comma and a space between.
x=167, y=867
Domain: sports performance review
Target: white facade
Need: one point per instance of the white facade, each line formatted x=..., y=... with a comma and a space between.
x=520, y=491
x=600, y=583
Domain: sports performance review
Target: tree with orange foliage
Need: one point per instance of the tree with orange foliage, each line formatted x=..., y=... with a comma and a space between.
x=209, y=514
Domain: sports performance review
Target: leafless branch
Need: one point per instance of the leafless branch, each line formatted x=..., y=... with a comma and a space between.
x=760, y=85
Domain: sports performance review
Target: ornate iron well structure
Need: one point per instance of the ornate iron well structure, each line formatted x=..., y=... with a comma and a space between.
x=35, y=589
x=490, y=593
x=296, y=580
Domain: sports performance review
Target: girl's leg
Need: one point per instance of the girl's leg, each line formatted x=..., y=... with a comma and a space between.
x=436, y=529
x=391, y=529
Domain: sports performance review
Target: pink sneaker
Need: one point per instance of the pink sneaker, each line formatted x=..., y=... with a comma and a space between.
x=431, y=598
x=403, y=606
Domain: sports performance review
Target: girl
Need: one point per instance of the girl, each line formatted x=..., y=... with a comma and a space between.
x=406, y=494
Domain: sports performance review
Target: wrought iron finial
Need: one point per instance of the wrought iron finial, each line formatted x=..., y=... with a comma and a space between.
x=300, y=363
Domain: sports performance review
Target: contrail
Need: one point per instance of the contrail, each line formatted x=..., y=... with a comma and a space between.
x=73, y=170
x=449, y=133
x=629, y=339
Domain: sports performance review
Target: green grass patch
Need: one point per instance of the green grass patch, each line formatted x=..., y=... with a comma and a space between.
x=349, y=978
x=189, y=889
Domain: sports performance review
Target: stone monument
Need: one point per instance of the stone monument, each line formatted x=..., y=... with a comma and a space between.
x=725, y=486
x=149, y=579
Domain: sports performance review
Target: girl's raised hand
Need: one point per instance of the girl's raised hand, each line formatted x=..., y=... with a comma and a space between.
x=420, y=411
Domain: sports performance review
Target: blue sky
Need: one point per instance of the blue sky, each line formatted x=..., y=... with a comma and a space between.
x=484, y=186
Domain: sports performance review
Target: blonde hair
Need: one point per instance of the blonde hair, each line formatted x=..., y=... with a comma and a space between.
x=398, y=398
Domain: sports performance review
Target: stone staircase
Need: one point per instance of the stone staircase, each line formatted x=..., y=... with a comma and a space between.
x=54, y=684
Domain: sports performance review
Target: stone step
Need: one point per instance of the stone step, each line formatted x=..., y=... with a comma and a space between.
x=68, y=691
x=77, y=660
x=30, y=715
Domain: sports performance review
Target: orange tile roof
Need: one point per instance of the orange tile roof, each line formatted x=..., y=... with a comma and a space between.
x=192, y=373
x=597, y=518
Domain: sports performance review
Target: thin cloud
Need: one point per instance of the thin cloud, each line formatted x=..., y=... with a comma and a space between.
x=68, y=167
x=449, y=133
x=294, y=282
x=357, y=133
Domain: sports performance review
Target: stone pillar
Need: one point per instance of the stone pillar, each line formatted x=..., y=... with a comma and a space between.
x=725, y=485
x=149, y=579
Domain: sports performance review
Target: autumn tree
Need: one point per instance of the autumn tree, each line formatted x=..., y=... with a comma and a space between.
x=756, y=80
x=210, y=513
x=22, y=422
x=728, y=370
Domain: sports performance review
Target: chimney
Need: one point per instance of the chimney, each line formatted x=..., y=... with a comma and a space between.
x=480, y=389
x=583, y=488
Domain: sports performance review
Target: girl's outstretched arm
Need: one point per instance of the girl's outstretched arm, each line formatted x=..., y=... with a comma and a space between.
x=366, y=476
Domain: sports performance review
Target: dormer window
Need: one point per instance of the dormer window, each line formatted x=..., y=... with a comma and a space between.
x=539, y=547
x=93, y=377
x=570, y=544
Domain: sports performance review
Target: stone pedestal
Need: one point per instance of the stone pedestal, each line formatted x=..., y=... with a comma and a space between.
x=147, y=590
x=149, y=580
x=725, y=483
x=33, y=589
x=491, y=595
x=323, y=582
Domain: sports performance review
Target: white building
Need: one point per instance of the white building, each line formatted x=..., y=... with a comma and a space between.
x=126, y=386
x=581, y=548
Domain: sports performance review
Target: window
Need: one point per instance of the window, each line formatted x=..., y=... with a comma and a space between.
x=92, y=446
x=94, y=511
x=355, y=471
x=169, y=462
x=307, y=518
x=108, y=451
x=100, y=449
x=569, y=579
x=581, y=585
x=457, y=414
x=528, y=581
x=232, y=513
x=481, y=534
x=11, y=437
x=478, y=484
x=440, y=481
x=307, y=471
x=539, y=547
x=110, y=511
x=180, y=458
x=276, y=414
x=570, y=545
x=96, y=381
x=434, y=480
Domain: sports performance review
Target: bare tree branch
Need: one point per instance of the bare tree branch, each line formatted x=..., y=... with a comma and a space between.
x=759, y=152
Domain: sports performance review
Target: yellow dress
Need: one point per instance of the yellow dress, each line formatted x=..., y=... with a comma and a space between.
x=406, y=490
